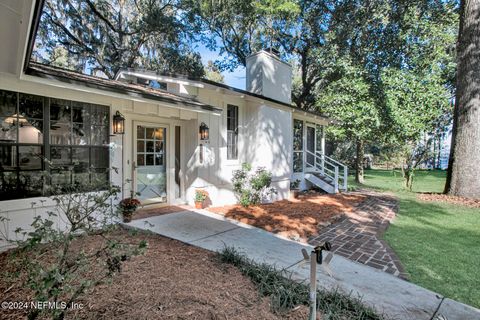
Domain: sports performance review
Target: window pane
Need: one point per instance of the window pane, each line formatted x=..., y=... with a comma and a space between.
x=60, y=155
x=159, y=133
x=8, y=157
x=31, y=131
x=60, y=110
x=60, y=178
x=8, y=103
x=100, y=114
x=149, y=160
x=31, y=106
x=99, y=135
x=60, y=133
x=100, y=157
x=81, y=178
x=149, y=146
x=140, y=159
x=150, y=133
x=140, y=132
x=297, y=161
x=80, y=158
x=8, y=129
x=30, y=184
x=159, y=159
x=232, y=132
x=30, y=157
x=158, y=146
x=297, y=135
x=8, y=185
x=79, y=134
x=100, y=178
x=80, y=112
x=140, y=146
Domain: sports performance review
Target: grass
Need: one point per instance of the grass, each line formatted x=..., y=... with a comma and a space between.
x=438, y=243
x=286, y=294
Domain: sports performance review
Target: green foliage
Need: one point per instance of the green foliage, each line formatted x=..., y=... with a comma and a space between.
x=252, y=187
x=286, y=294
x=213, y=73
x=65, y=277
x=200, y=195
x=109, y=35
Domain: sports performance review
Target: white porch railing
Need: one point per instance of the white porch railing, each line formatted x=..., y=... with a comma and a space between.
x=329, y=169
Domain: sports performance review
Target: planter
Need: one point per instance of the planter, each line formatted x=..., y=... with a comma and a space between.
x=198, y=204
x=127, y=215
x=294, y=193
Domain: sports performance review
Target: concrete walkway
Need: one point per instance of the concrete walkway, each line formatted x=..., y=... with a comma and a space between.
x=390, y=295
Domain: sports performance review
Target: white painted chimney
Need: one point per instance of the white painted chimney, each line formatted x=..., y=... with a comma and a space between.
x=269, y=76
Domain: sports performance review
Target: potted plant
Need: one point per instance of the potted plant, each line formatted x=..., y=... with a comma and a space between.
x=200, y=197
x=128, y=207
x=294, y=189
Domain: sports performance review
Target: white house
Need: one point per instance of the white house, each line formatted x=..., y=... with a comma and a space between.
x=67, y=118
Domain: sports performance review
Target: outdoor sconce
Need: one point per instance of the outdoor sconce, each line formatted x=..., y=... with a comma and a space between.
x=118, y=123
x=203, y=131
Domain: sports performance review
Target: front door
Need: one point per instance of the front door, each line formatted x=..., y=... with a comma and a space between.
x=150, y=156
x=310, y=144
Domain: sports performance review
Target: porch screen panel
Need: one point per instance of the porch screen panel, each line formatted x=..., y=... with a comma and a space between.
x=50, y=142
x=232, y=132
x=297, y=145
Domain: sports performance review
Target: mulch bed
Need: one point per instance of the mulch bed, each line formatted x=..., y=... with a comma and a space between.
x=171, y=280
x=297, y=219
x=439, y=197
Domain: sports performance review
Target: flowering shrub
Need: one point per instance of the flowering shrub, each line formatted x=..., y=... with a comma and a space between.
x=129, y=204
x=252, y=187
x=200, y=195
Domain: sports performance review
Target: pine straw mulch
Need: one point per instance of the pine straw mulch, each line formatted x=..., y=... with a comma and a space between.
x=298, y=219
x=171, y=280
x=439, y=197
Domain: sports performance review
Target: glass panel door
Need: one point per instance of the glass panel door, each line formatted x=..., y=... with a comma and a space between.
x=310, y=146
x=150, y=157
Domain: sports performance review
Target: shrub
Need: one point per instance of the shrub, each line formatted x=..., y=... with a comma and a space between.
x=200, y=195
x=252, y=187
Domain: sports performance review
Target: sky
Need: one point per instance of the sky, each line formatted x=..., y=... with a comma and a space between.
x=235, y=79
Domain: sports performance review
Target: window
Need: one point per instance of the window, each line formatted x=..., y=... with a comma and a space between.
x=72, y=137
x=297, y=145
x=232, y=132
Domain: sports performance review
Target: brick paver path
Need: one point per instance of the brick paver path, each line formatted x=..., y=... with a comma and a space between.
x=358, y=235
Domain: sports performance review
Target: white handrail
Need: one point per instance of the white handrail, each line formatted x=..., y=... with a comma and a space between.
x=320, y=163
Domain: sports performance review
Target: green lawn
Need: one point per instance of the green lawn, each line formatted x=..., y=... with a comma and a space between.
x=438, y=243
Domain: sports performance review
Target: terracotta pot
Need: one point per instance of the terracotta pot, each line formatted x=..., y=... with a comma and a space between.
x=127, y=215
x=198, y=205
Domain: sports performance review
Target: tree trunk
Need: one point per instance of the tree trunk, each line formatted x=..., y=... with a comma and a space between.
x=359, y=162
x=464, y=162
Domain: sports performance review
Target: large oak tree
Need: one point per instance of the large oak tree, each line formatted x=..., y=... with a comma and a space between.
x=464, y=166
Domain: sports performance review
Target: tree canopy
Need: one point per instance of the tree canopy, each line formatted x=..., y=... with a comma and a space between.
x=102, y=36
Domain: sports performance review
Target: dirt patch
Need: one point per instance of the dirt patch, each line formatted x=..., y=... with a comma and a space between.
x=439, y=197
x=171, y=280
x=297, y=219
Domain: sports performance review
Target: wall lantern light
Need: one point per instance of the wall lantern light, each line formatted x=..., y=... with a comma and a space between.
x=203, y=131
x=118, y=123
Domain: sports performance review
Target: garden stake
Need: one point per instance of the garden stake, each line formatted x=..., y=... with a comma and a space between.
x=316, y=257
